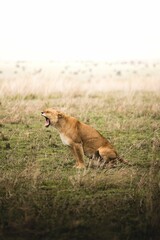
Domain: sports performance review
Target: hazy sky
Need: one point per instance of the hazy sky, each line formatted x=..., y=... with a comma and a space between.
x=79, y=29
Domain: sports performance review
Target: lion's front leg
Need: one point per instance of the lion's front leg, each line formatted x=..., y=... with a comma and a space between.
x=78, y=153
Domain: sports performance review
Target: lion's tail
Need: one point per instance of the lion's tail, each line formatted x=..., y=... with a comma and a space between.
x=123, y=160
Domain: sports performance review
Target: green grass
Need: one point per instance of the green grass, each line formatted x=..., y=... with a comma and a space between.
x=43, y=196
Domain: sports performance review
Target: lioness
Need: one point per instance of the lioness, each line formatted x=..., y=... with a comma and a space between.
x=81, y=138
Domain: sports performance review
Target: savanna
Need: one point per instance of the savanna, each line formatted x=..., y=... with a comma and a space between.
x=41, y=195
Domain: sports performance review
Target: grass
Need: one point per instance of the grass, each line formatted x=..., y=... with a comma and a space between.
x=43, y=197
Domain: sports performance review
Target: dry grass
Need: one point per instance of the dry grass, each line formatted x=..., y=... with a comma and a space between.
x=44, y=79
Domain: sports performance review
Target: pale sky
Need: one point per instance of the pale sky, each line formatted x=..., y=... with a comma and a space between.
x=79, y=29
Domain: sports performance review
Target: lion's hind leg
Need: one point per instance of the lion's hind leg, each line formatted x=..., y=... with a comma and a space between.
x=111, y=156
x=107, y=153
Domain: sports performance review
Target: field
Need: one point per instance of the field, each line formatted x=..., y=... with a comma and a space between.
x=41, y=195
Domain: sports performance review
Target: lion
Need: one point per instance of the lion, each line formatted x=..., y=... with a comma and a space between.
x=81, y=138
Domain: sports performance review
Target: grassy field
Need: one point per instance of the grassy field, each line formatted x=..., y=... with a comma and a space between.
x=41, y=195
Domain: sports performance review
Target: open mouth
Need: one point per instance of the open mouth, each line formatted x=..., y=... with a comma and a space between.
x=47, y=123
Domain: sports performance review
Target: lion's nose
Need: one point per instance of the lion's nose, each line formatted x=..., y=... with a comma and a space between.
x=42, y=113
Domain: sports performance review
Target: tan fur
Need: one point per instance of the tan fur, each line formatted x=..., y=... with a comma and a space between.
x=81, y=138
